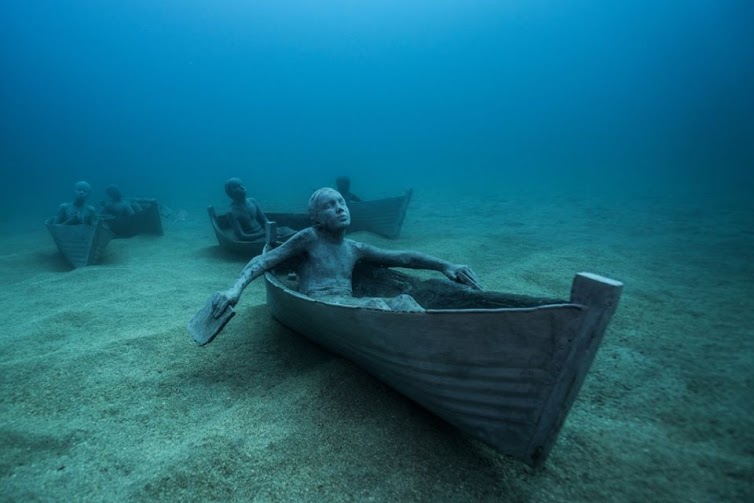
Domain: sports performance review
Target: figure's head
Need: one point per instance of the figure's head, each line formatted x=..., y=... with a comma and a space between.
x=81, y=190
x=113, y=192
x=343, y=183
x=328, y=210
x=235, y=189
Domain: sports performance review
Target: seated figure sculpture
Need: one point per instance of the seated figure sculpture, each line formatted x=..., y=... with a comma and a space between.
x=343, y=184
x=77, y=212
x=328, y=260
x=117, y=206
x=246, y=217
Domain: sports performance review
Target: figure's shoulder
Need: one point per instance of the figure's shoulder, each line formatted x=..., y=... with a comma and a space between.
x=360, y=246
x=301, y=241
x=307, y=235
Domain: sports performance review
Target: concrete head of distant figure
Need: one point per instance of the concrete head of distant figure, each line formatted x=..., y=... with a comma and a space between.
x=235, y=189
x=343, y=183
x=81, y=191
x=344, y=187
x=328, y=210
x=113, y=192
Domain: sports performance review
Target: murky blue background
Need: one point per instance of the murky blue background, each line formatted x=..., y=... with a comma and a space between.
x=168, y=99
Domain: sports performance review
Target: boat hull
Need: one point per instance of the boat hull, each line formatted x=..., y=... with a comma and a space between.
x=383, y=217
x=507, y=377
x=146, y=221
x=227, y=240
x=80, y=245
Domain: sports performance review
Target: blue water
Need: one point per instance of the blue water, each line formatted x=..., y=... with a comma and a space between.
x=168, y=99
x=633, y=120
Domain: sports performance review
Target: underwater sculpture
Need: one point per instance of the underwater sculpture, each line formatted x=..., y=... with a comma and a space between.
x=78, y=211
x=503, y=368
x=80, y=236
x=246, y=218
x=132, y=216
x=328, y=259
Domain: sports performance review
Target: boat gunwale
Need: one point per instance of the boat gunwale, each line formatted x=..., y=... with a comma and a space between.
x=272, y=278
x=227, y=242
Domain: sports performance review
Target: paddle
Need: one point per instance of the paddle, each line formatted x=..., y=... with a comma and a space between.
x=204, y=327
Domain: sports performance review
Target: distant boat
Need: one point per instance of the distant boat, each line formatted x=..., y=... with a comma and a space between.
x=145, y=221
x=503, y=368
x=380, y=216
x=81, y=244
x=383, y=217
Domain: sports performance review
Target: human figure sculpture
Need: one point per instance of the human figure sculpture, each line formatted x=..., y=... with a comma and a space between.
x=246, y=217
x=343, y=184
x=328, y=260
x=117, y=206
x=77, y=212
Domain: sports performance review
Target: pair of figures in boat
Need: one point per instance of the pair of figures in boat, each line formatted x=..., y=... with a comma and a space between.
x=81, y=233
x=79, y=211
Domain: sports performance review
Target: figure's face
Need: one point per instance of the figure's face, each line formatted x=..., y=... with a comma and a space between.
x=236, y=190
x=332, y=212
x=82, y=190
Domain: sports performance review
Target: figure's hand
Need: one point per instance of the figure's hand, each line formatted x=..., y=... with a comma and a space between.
x=464, y=275
x=222, y=300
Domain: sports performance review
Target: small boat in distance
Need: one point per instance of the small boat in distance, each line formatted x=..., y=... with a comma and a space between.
x=82, y=244
x=383, y=217
x=503, y=368
x=145, y=221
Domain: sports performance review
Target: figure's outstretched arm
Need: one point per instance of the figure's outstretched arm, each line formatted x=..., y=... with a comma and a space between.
x=258, y=266
x=417, y=260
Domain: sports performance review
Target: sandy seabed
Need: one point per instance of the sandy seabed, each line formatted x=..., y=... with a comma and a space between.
x=105, y=398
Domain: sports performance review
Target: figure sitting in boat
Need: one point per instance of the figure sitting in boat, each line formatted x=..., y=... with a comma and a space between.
x=503, y=368
x=77, y=212
x=80, y=236
x=117, y=205
x=246, y=218
x=127, y=217
x=328, y=259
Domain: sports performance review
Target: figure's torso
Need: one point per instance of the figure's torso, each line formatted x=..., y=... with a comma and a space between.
x=328, y=268
x=247, y=216
x=75, y=214
x=117, y=208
